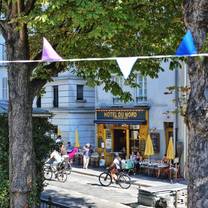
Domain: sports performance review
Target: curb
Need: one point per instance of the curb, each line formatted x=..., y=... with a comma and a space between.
x=93, y=174
x=84, y=173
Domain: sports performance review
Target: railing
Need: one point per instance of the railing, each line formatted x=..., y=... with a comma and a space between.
x=47, y=203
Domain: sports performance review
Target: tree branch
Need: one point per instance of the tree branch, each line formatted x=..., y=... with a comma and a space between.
x=29, y=6
x=3, y=28
x=53, y=69
x=33, y=65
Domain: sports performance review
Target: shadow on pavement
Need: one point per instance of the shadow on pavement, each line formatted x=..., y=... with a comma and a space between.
x=67, y=200
x=113, y=185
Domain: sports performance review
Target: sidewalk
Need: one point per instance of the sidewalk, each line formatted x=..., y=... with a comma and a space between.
x=139, y=180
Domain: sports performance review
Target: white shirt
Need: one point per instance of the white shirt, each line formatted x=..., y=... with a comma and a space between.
x=116, y=161
x=56, y=156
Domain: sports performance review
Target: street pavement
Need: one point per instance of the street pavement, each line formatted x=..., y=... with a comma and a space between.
x=85, y=191
x=140, y=180
x=82, y=189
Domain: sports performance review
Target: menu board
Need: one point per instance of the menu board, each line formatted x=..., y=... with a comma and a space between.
x=108, y=141
x=156, y=141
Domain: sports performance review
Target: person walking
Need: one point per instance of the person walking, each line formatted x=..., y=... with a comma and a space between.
x=86, y=155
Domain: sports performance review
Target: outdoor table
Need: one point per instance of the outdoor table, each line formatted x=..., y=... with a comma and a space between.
x=154, y=166
x=158, y=167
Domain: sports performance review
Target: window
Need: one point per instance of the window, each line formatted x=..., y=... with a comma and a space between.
x=142, y=89
x=38, y=102
x=2, y=52
x=80, y=92
x=4, y=88
x=55, y=96
x=120, y=81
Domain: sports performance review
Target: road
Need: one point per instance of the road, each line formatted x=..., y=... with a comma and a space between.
x=85, y=191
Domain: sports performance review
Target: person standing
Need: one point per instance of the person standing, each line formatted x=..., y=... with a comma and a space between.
x=86, y=156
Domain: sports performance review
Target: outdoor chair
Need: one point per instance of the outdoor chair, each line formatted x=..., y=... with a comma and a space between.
x=174, y=169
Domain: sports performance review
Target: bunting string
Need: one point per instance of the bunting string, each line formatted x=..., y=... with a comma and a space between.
x=185, y=49
x=105, y=59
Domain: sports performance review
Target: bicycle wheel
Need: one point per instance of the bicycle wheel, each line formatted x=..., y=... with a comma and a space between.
x=68, y=168
x=124, y=181
x=62, y=176
x=48, y=173
x=105, y=179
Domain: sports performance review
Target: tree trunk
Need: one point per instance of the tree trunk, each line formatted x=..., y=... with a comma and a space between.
x=196, y=20
x=20, y=119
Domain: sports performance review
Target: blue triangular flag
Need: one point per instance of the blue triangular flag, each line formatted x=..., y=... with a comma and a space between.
x=186, y=46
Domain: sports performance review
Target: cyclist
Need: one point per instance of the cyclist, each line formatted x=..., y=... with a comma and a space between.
x=55, y=158
x=115, y=167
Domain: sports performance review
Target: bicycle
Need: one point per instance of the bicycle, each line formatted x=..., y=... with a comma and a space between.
x=123, y=179
x=68, y=167
x=59, y=172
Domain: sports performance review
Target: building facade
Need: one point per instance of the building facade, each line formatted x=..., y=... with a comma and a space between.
x=125, y=126
x=3, y=72
x=72, y=105
x=109, y=124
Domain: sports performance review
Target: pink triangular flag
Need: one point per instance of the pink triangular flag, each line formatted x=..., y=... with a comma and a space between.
x=125, y=64
x=48, y=53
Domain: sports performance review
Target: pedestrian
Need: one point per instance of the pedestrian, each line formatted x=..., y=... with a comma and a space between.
x=86, y=155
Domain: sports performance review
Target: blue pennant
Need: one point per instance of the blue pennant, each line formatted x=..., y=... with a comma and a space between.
x=186, y=46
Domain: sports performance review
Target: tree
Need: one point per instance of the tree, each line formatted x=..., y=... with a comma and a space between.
x=77, y=28
x=195, y=16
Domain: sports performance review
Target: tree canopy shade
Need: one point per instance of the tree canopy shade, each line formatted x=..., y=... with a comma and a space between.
x=80, y=29
x=77, y=29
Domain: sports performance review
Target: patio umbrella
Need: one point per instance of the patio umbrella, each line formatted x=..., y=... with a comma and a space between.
x=59, y=132
x=170, y=150
x=76, y=139
x=149, y=147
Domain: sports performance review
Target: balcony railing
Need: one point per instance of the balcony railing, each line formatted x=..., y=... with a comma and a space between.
x=143, y=101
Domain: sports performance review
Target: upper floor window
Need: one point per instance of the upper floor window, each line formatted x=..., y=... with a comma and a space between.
x=141, y=93
x=38, y=102
x=5, y=88
x=2, y=52
x=80, y=92
x=55, y=96
x=119, y=80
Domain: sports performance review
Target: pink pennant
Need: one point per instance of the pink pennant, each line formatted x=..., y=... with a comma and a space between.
x=48, y=53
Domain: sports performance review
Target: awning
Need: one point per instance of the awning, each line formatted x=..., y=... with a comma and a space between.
x=130, y=122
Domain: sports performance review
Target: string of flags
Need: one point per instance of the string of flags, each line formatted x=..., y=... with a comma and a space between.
x=185, y=49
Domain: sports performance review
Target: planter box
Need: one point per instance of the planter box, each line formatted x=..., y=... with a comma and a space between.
x=170, y=196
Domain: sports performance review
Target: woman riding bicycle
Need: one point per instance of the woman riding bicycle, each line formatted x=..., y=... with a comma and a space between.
x=114, y=173
x=115, y=167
